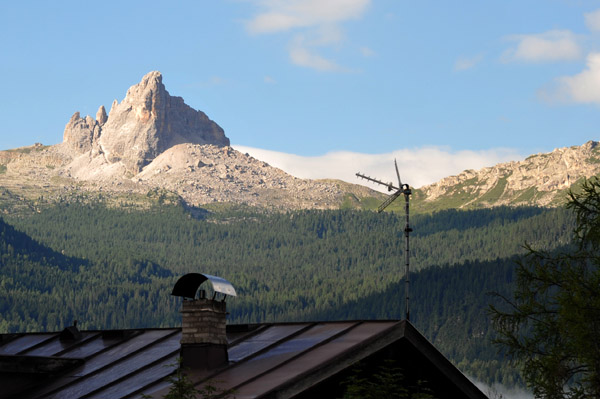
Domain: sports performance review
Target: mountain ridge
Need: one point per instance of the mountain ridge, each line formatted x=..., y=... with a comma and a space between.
x=152, y=141
x=541, y=179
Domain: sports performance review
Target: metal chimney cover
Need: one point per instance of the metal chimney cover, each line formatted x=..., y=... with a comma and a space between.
x=221, y=285
x=188, y=284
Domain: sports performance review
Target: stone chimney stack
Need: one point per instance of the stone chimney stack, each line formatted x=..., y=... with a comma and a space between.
x=204, y=337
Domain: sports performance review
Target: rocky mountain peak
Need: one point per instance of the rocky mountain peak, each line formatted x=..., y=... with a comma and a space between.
x=80, y=133
x=101, y=116
x=146, y=123
x=540, y=179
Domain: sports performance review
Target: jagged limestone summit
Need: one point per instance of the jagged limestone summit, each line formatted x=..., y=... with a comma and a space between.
x=142, y=126
x=150, y=142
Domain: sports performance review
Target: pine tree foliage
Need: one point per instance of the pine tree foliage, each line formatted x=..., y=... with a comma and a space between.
x=115, y=268
x=182, y=387
x=387, y=381
x=551, y=324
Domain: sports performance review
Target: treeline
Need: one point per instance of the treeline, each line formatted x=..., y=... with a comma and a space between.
x=114, y=268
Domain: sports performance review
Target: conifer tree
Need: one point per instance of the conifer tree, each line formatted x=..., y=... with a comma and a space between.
x=551, y=325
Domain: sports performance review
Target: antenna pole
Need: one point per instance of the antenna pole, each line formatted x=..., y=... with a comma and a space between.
x=407, y=230
x=401, y=189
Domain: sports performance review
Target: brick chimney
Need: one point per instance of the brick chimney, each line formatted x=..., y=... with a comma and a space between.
x=204, y=338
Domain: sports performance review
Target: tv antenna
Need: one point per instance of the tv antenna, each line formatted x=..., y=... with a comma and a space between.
x=401, y=189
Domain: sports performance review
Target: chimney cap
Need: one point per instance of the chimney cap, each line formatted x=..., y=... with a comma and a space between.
x=188, y=284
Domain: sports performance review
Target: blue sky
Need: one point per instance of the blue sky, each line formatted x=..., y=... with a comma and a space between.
x=321, y=88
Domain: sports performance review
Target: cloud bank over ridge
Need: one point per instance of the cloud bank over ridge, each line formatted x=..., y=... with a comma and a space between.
x=418, y=167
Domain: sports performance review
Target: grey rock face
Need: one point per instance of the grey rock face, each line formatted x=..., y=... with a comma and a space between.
x=101, y=115
x=113, y=106
x=80, y=133
x=149, y=121
x=540, y=179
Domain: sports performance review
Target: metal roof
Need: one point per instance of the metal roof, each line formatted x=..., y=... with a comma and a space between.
x=265, y=360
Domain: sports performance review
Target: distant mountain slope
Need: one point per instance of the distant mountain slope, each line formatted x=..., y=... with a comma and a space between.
x=541, y=180
x=44, y=289
x=29, y=273
x=152, y=141
x=153, y=146
x=15, y=244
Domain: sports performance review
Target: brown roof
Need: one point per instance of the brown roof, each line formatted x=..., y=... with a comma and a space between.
x=265, y=360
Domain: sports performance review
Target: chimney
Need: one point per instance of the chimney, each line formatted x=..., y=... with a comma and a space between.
x=203, y=339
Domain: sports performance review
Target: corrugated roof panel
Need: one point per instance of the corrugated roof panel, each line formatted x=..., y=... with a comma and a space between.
x=311, y=359
x=52, y=347
x=90, y=347
x=236, y=335
x=158, y=387
x=263, y=339
x=314, y=336
x=149, y=337
x=140, y=380
x=120, y=368
x=23, y=343
x=282, y=358
x=274, y=357
x=104, y=359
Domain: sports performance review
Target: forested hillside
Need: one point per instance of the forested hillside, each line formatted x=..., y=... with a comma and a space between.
x=114, y=268
x=449, y=305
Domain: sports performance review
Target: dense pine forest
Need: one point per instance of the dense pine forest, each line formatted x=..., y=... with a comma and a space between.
x=114, y=268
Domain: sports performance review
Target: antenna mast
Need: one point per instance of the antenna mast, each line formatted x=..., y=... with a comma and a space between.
x=401, y=189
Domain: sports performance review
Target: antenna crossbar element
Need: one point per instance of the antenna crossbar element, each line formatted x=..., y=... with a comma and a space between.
x=390, y=186
x=389, y=200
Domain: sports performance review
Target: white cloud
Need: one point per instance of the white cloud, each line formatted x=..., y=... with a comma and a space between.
x=302, y=56
x=554, y=45
x=592, y=20
x=464, y=63
x=581, y=88
x=210, y=82
x=367, y=52
x=315, y=23
x=417, y=167
x=302, y=50
x=270, y=80
x=217, y=80
x=283, y=15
